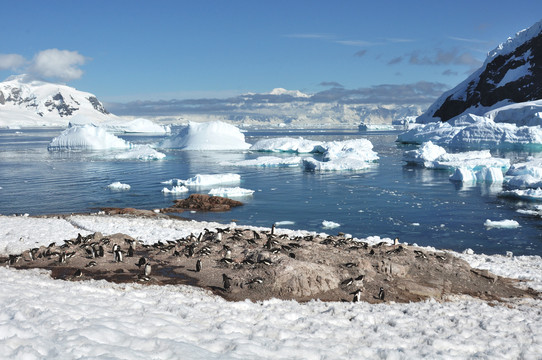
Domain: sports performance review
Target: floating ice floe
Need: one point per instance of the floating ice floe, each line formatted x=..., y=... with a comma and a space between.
x=354, y=154
x=473, y=131
x=88, y=137
x=179, y=189
x=268, y=161
x=527, y=194
x=330, y=224
x=285, y=222
x=501, y=224
x=488, y=175
x=231, y=192
x=140, y=152
x=285, y=144
x=209, y=180
x=214, y=135
x=118, y=186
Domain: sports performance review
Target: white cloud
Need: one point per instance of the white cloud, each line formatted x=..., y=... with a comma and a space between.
x=11, y=61
x=58, y=64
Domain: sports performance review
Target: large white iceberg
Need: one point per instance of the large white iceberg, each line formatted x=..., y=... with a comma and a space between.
x=474, y=131
x=87, y=137
x=234, y=192
x=138, y=125
x=209, y=180
x=214, y=135
x=489, y=175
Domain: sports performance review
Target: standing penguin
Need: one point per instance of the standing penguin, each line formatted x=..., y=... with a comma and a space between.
x=147, y=269
x=226, y=281
x=198, y=265
x=131, y=251
x=357, y=295
x=118, y=255
x=381, y=294
x=273, y=229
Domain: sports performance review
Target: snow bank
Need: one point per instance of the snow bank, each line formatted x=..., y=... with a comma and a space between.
x=267, y=161
x=214, y=135
x=473, y=131
x=118, y=186
x=208, y=180
x=86, y=137
x=502, y=224
x=231, y=192
x=175, y=190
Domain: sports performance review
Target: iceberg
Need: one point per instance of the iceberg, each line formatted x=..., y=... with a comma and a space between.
x=473, y=131
x=469, y=166
x=527, y=194
x=209, y=180
x=231, y=192
x=86, y=137
x=285, y=144
x=502, y=224
x=138, y=125
x=356, y=154
x=351, y=164
x=140, y=152
x=214, y=135
x=118, y=186
x=267, y=161
x=175, y=190
x=526, y=174
x=330, y=224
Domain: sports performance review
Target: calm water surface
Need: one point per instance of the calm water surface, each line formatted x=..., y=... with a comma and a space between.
x=391, y=199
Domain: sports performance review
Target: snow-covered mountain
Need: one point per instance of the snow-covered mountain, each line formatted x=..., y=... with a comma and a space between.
x=511, y=74
x=26, y=102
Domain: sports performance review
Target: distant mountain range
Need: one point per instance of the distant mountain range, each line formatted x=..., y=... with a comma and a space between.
x=511, y=74
x=27, y=102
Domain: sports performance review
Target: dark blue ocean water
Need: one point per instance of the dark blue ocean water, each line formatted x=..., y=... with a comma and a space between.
x=419, y=205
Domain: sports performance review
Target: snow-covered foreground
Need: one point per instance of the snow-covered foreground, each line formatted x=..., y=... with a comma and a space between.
x=45, y=318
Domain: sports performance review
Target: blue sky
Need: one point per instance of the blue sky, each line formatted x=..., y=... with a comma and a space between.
x=150, y=50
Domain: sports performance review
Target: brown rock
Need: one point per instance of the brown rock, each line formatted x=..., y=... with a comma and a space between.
x=203, y=202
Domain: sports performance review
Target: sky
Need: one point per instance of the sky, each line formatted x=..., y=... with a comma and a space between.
x=124, y=51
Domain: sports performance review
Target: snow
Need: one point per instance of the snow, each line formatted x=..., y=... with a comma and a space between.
x=473, y=131
x=528, y=194
x=330, y=224
x=209, y=180
x=87, y=137
x=45, y=318
x=118, y=186
x=501, y=224
x=175, y=190
x=234, y=192
x=267, y=161
x=214, y=135
x=293, y=93
x=515, y=74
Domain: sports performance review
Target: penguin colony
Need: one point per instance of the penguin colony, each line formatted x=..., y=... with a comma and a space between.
x=245, y=263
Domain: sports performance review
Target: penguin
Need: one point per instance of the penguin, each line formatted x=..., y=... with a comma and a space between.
x=142, y=261
x=131, y=251
x=118, y=256
x=228, y=254
x=226, y=281
x=115, y=247
x=396, y=241
x=91, y=264
x=256, y=280
x=78, y=273
x=198, y=265
x=266, y=262
x=147, y=269
x=381, y=294
x=357, y=295
x=91, y=252
x=273, y=229
x=101, y=251
x=347, y=282
x=62, y=258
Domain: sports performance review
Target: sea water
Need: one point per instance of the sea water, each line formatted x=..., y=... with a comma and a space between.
x=390, y=199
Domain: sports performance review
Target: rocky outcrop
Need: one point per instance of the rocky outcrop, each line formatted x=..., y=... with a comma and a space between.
x=512, y=73
x=203, y=202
